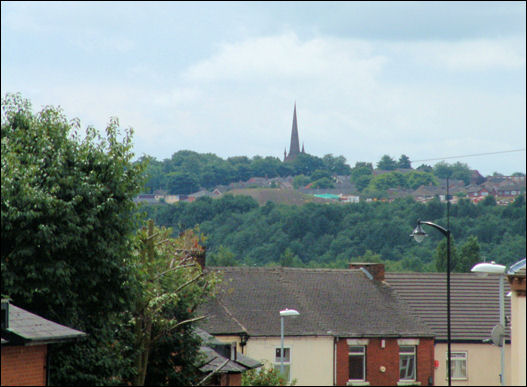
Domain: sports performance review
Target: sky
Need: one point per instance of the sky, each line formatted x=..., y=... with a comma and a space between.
x=430, y=80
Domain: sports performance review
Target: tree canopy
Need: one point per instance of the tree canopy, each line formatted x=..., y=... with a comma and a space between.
x=330, y=235
x=67, y=214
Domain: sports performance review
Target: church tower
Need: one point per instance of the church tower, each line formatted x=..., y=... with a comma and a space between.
x=294, y=147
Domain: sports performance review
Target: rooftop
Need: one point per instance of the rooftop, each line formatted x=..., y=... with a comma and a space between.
x=26, y=328
x=474, y=302
x=331, y=302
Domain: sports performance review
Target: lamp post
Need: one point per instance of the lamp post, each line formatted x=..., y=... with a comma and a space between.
x=494, y=268
x=284, y=313
x=419, y=235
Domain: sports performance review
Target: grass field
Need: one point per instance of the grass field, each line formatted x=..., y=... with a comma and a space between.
x=278, y=196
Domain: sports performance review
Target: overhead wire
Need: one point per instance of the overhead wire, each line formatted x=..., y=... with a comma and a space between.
x=471, y=155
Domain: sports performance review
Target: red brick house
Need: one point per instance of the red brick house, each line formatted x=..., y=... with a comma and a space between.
x=25, y=340
x=352, y=330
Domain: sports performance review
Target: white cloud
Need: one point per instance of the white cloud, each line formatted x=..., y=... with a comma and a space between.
x=467, y=55
x=286, y=57
x=239, y=101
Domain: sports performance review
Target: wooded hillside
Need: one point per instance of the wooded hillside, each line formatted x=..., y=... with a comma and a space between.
x=239, y=231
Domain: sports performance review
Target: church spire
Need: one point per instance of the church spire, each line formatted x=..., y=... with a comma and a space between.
x=294, y=148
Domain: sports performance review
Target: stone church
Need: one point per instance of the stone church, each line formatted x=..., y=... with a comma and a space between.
x=294, y=147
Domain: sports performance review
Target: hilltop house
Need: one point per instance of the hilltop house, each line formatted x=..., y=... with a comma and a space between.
x=25, y=340
x=352, y=330
x=474, y=312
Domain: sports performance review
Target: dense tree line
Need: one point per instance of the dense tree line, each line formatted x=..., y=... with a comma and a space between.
x=187, y=171
x=331, y=235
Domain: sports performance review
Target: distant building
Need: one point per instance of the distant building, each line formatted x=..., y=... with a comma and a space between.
x=294, y=147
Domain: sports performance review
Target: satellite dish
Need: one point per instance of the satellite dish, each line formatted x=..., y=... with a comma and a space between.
x=497, y=334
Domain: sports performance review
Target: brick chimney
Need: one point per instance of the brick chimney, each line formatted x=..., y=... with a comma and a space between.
x=199, y=257
x=375, y=269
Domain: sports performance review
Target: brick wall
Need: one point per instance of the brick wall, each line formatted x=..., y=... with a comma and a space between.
x=24, y=366
x=231, y=380
x=387, y=357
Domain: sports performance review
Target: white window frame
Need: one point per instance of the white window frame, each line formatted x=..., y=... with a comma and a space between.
x=288, y=363
x=358, y=354
x=463, y=357
x=407, y=353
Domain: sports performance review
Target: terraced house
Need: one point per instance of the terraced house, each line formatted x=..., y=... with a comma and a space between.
x=474, y=313
x=353, y=329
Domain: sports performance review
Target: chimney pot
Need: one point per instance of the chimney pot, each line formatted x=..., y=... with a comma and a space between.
x=375, y=269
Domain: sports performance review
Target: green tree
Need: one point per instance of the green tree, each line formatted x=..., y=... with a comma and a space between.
x=459, y=171
x=319, y=174
x=369, y=256
x=425, y=168
x=166, y=278
x=489, y=201
x=182, y=183
x=265, y=376
x=67, y=218
x=289, y=259
x=387, y=163
x=336, y=165
x=415, y=179
x=404, y=162
x=441, y=255
x=469, y=255
x=224, y=257
x=324, y=182
x=300, y=181
x=361, y=175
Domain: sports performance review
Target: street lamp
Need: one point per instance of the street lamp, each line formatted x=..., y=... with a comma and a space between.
x=419, y=235
x=494, y=268
x=284, y=313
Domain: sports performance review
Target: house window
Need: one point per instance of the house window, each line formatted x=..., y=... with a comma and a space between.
x=357, y=362
x=407, y=362
x=287, y=362
x=458, y=365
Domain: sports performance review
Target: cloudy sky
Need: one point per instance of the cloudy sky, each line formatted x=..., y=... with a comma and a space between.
x=429, y=80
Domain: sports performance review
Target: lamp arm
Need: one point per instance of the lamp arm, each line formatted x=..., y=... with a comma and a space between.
x=442, y=229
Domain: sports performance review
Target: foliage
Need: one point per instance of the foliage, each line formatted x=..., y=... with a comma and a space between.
x=331, y=235
x=300, y=181
x=67, y=206
x=223, y=257
x=469, y=255
x=361, y=175
x=458, y=171
x=404, y=162
x=442, y=255
x=168, y=285
x=394, y=179
x=324, y=182
x=387, y=163
x=265, y=376
x=187, y=171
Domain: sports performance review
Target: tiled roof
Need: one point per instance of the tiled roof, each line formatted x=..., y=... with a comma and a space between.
x=213, y=359
x=331, y=302
x=26, y=327
x=474, y=302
